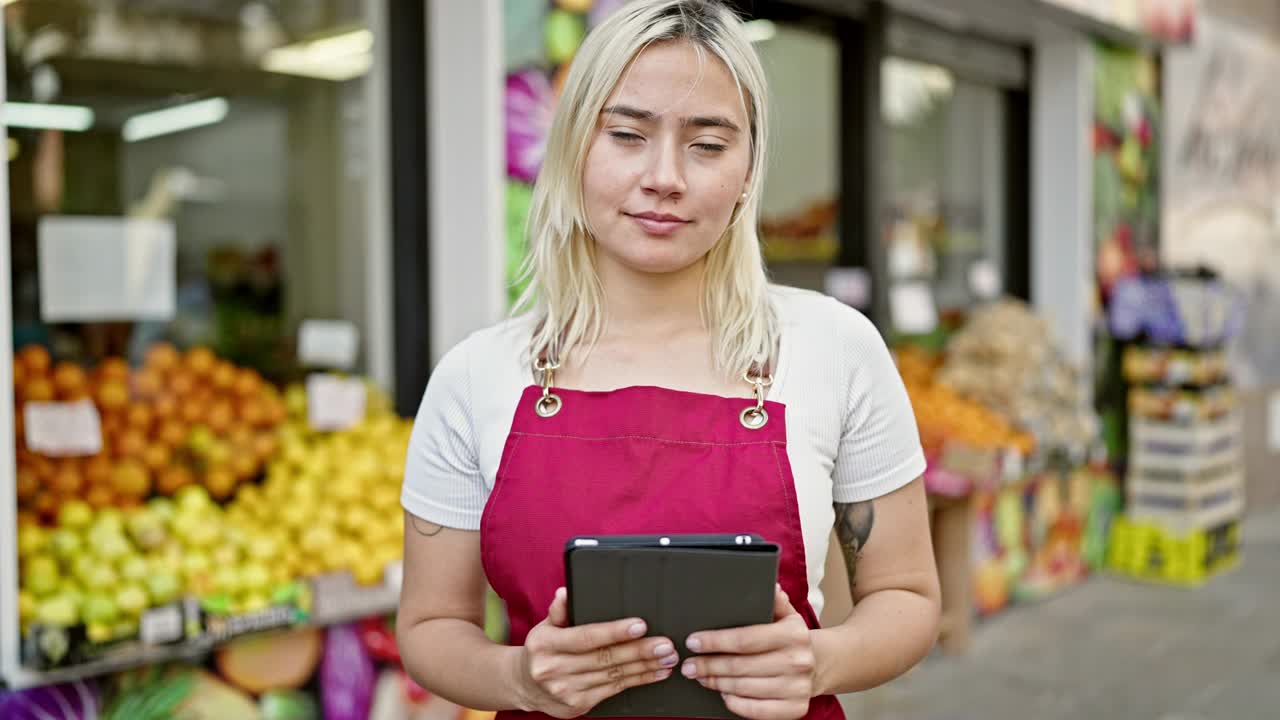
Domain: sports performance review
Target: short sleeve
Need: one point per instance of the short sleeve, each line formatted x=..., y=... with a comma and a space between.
x=880, y=447
x=442, y=479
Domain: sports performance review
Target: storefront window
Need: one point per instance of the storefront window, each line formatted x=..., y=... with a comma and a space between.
x=200, y=396
x=799, y=217
x=946, y=187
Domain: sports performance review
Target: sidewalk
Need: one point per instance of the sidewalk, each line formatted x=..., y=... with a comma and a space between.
x=1115, y=649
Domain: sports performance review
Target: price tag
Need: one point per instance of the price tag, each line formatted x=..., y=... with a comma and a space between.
x=328, y=344
x=393, y=576
x=912, y=308
x=63, y=429
x=984, y=280
x=106, y=268
x=161, y=625
x=334, y=403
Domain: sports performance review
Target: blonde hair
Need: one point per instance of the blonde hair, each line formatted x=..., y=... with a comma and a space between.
x=564, y=290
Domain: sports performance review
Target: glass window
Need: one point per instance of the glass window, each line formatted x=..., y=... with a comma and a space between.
x=799, y=217
x=945, y=180
x=188, y=188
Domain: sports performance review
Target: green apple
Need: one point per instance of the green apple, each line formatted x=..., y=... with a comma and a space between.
x=162, y=507
x=164, y=588
x=99, y=609
x=59, y=610
x=66, y=544
x=32, y=539
x=147, y=529
x=40, y=575
x=75, y=514
x=102, y=578
x=132, y=600
x=135, y=568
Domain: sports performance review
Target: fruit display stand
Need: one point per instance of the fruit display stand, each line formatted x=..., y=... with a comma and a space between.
x=186, y=532
x=1020, y=507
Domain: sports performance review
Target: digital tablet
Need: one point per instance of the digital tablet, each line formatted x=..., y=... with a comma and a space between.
x=678, y=584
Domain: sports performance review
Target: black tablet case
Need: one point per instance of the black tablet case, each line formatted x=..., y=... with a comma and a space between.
x=677, y=591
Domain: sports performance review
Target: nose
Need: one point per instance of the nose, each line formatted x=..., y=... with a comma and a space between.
x=664, y=174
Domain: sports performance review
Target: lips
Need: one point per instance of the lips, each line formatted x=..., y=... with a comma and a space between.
x=658, y=223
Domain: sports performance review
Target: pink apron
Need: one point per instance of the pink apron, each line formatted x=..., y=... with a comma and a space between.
x=640, y=460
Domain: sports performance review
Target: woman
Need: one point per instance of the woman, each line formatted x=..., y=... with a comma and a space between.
x=659, y=384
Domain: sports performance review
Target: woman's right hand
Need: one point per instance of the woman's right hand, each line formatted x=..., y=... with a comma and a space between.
x=566, y=671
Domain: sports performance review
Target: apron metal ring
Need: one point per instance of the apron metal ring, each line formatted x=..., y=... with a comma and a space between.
x=547, y=405
x=753, y=418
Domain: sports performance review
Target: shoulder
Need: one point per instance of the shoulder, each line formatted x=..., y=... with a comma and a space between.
x=499, y=346
x=810, y=316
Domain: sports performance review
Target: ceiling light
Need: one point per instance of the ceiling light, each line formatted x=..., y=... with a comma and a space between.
x=175, y=119
x=338, y=57
x=759, y=30
x=47, y=117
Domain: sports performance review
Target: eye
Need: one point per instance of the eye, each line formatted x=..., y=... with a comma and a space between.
x=625, y=138
x=710, y=147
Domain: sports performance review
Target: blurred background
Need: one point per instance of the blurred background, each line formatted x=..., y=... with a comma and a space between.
x=240, y=232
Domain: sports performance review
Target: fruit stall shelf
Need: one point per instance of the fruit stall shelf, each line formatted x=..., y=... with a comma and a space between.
x=333, y=599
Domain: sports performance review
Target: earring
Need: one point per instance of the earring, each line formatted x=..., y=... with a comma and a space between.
x=744, y=197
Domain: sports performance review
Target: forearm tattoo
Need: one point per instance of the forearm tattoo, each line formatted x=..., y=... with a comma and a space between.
x=424, y=528
x=853, y=528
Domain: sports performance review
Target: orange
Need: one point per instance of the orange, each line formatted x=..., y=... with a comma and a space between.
x=26, y=484
x=193, y=411
x=220, y=483
x=38, y=389
x=97, y=469
x=35, y=359
x=148, y=383
x=223, y=376
x=129, y=478
x=70, y=381
x=252, y=412
x=113, y=394
x=19, y=373
x=221, y=417
x=67, y=480
x=114, y=368
x=100, y=496
x=182, y=383
x=248, y=383
x=200, y=361
x=264, y=446
x=174, y=478
x=165, y=407
x=244, y=466
x=156, y=456
x=140, y=417
x=162, y=357
x=172, y=433
x=46, y=505
x=130, y=443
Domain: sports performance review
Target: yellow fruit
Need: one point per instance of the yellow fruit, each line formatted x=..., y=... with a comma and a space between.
x=368, y=571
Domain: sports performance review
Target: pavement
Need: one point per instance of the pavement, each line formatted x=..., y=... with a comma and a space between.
x=1114, y=648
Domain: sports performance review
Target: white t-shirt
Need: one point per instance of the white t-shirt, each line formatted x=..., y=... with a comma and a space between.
x=851, y=433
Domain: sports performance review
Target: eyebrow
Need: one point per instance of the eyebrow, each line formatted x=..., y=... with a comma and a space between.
x=695, y=121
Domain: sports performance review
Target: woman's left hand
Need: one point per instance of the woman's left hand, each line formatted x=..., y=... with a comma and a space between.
x=764, y=672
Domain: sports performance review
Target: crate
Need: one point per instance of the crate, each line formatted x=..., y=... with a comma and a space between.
x=1154, y=552
x=1185, y=498
x=1190, y=449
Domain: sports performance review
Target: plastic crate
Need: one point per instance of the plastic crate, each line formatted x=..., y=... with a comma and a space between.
x=1156, y=553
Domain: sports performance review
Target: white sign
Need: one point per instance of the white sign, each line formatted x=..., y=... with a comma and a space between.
x=161, y=625
x=62, y=429
x=1273, y=423
x=912, y=308
x=328, y=343
x=105, y=268
x=984, y=280
x=334, y=403
x=849, y=285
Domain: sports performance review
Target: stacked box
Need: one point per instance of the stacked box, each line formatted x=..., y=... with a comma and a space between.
x=1151, y=551
x=1185, y=491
